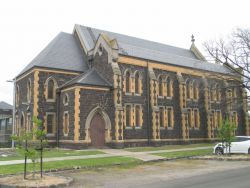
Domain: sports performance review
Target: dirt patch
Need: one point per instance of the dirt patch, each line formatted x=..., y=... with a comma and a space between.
x=46, y=181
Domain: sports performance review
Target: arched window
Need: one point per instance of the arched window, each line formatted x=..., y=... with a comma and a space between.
x=66, y=124
x=51, y=86
x=51, y=123
x=218, y=93
x=196, y=90
x=29, y=91
x=137, y=83
x=128, y=82
x=22, y=122
x=189, y=89
x=128, y=115
x=160, y=84
x=66, y=99
x=17, y=95
x=161, y=114
x=138, y=116
x=169, y=87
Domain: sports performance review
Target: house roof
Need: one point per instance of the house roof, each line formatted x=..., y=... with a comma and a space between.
x=63, y=52
x=145, y=49
x=91, y=78
x=5, y=106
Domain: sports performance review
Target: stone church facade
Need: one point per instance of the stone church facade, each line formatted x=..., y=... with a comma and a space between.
x=97, y=88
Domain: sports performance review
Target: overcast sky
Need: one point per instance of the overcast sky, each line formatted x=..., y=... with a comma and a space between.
x=27, y=26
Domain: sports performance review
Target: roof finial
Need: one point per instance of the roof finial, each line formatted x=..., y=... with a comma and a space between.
x=192, y=38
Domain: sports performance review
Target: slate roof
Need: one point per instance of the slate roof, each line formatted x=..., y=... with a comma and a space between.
x=146, y=49
x=91, y=78
x=5, y=106
x=63, y=52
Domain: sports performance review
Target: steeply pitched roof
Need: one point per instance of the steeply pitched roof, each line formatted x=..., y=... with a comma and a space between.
x=63, y=52
x=145, y=49
x=5, y=106
x=91, y=78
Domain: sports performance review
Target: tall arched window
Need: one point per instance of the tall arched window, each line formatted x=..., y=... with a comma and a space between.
x=169, y=87
x=128, y=115
x=160, y=84
x=29, y=91
x=51, y=86
x=137, y=83
x=217, y=93
x=138, y=116
x=22, y=122
x=17, y=95
x=161, y=114
x=127, y=82
x=189, y=89
x=66, y=124
x=196, y=90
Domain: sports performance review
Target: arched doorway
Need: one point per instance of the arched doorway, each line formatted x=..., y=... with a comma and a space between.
x=97, y=131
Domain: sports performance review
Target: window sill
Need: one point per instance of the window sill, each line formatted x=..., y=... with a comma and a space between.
x=50, y=135
x=129, y=128
x=66, y=135
x=130, y=94
x=137, y=94
x=137, y=127
x=160, y=97
x=170, y=128
x=50, y=100
x=169, y=98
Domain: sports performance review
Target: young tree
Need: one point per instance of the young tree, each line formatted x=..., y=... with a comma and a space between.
x=30, y=144
x=226, y=132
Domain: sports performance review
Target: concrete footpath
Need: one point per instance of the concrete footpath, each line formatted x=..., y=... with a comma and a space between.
x=144, y=156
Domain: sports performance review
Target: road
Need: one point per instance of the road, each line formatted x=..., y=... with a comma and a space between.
x=167, y=174
x=230, y=179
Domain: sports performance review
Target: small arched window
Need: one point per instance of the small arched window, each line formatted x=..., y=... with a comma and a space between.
x=66, y=99
x=29, y=91
x=160, y=84
x=128, y=82
x=137, y=83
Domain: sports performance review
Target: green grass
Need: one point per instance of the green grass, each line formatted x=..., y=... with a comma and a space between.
x=179, y=154
x=86, y=163
x=167, y=147
x=55, y=153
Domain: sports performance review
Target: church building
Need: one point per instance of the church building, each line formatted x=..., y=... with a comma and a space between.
x=96, y=88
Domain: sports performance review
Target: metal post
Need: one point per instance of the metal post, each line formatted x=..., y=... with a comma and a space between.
x=14, y=109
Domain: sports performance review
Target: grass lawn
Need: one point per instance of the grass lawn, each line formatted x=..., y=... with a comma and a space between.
x=186, y=153
x=55, y=153
x=167, y=147
x=87, y=163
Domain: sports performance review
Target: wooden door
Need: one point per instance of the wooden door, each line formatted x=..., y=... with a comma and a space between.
x=97, y=131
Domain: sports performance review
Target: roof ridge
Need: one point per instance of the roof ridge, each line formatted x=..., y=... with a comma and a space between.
x=137, y=38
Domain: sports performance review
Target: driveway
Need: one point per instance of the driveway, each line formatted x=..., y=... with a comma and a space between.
x=172, y=174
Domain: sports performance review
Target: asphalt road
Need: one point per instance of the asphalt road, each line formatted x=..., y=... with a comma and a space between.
x=239, y=178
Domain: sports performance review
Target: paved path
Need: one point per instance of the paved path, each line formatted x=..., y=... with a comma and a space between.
x=144, y=156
